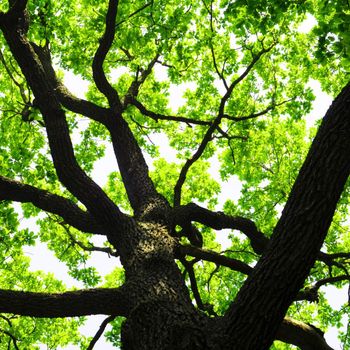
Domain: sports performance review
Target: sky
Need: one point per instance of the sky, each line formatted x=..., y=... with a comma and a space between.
x=230, y=190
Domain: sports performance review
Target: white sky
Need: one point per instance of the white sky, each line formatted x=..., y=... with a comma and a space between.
x=231, y=189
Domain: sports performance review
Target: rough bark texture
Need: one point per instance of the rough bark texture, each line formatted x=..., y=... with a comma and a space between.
x=298, y=236
x=155, y=299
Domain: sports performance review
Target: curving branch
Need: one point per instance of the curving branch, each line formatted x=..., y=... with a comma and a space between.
x=68, y=170
x=97, y=65
x=114, y=301
x=303, y=335
x=100, y=331
x=258, y=114
x=311, y=293
x=158, y=116
x=219, y=220
x=214, y=125
x=15, y=191
x=189, y=162
x=12, y=337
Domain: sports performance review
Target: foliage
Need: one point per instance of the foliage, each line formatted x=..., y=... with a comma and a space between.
x=200, y=48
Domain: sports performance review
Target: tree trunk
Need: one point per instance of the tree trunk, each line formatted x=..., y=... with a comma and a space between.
x=262, y=302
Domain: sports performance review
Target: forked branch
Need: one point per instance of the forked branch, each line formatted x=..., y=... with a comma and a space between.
x=68, y=170
x=158, y=116
x=219, y=220
x=216, y=122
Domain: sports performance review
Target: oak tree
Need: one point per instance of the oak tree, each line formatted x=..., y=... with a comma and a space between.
x=243, y=69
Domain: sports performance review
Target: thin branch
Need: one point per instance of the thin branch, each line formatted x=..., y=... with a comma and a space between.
x=135, y=85
x=13, y=338
x=134, y=13
x=90, y=248
x=258, y=114
x=183, y=173
x=220, y=74
x=214, y=257
x=97, y=66
x=114, y=301
x=100, y=331
x=189, y=268
x=208, y=135
x=52, y=203
x=157, y=116
x=228, y=93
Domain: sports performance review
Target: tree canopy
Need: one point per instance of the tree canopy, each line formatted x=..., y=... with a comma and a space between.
x=245, y=70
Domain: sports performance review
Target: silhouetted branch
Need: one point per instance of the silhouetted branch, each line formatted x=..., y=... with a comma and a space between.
x=52, y=203
x=100, y=331
x=12, y=337
x=141, y=76
x=305, y=336
x=258, y=114
x=90, y=248
x=208, y=135
x=219, y=220
x=134, y=13
x=97, y=66
x=158, y=116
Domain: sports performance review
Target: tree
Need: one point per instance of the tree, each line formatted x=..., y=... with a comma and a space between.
x=247, y=66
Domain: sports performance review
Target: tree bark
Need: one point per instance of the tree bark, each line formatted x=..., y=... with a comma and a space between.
x=257, y=312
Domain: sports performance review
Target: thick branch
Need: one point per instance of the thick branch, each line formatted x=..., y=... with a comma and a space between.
x=132, y=165
x=299, y=234
x=68, y=100
x=143, y=197
x=69, y=304
x=300, y=334
x=52, y=203
x=68, y=170
x=97, y=66
x=219, y=221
